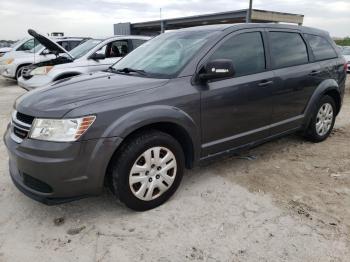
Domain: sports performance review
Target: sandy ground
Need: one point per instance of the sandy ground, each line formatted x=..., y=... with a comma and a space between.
x=289, y=204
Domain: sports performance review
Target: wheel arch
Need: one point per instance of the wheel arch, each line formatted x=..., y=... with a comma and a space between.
x=170, y=120
x=328, y=87
x=21, y=66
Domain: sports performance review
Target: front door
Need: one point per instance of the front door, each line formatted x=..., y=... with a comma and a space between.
x=113, y=52
x=237, y=111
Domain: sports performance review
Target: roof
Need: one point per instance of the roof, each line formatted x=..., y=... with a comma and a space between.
x=222, y=27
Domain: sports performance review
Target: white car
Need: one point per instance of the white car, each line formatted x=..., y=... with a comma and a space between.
x=24, y=44
x=91, y=56
x=346, y=53
x=12, y=64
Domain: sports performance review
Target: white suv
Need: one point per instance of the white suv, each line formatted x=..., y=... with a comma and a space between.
x=12, y=64
x=91, y=56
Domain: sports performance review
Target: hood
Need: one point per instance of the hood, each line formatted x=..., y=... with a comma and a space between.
x=48, y=43
x=5, y=49
x=58, y=99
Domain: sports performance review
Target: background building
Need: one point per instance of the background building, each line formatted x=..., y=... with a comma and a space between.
x=239, y=16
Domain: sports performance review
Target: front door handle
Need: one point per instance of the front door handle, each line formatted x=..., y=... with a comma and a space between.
x=314, y=72
x=265, y=83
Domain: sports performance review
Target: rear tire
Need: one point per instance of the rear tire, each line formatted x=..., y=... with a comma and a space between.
x=147, y=170
x=322, y=120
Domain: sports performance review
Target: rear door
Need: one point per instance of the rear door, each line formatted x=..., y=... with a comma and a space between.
x=296, y=77
x=237, y=111
x=324, y=53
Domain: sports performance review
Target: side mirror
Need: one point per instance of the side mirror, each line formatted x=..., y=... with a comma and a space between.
x=97, y=56
x=46, y=52
x=217, y=69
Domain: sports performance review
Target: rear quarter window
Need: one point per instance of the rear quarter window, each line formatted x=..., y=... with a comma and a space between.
x=287, y=49
x=321, y=48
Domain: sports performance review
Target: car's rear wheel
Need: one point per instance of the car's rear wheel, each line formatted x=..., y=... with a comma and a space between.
x=147, y=170
x=322, y=121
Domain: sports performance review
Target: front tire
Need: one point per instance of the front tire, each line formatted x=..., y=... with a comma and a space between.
x=19, y=72
x=322, y=121
x=147, y=170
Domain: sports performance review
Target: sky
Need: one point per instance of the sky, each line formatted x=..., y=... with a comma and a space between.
x=96, y=17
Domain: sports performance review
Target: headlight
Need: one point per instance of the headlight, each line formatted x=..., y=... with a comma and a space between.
x=8, y=61
x=60, y=130
x=44, y=70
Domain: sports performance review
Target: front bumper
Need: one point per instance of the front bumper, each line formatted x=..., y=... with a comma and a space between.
x=54, y=173
x=8, y=71
x=34, y=82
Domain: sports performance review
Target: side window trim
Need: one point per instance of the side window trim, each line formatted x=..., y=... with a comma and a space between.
x=308, y=49
x=217, y=45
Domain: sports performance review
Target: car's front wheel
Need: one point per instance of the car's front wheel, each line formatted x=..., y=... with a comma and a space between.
x=322, y=121
x=147, y=170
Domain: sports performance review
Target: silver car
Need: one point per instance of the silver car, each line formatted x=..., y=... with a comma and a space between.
x=12, y=64
x=346, y=53
x=91, y=56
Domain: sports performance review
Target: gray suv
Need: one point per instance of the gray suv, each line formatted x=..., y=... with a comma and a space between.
x=180, y=99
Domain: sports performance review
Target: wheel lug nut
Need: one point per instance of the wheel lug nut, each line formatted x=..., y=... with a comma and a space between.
x=150, y=179
x=157, y=176
x=152, y=166
x=147, y=172
x=159, y=168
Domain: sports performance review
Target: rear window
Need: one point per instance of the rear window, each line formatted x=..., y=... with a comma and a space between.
x=321, y=48
x=287, y=49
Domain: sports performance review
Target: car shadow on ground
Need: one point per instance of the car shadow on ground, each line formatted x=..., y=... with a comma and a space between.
x=6, y=82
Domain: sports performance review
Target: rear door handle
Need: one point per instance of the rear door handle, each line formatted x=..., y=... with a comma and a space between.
x=314, y=72
x=265, y=83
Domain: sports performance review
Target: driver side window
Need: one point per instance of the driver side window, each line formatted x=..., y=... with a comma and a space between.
x=118, y=49
x=246, y=51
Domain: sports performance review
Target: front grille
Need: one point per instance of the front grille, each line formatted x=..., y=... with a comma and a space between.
x=25, y=118
x=21, y=125
x=35, y=184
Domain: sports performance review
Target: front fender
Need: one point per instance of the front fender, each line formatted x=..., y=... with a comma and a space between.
x=144, y=116
x=324, y=87
x=149, y=115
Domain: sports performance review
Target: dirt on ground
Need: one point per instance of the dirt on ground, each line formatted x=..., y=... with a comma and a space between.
x=287, y=200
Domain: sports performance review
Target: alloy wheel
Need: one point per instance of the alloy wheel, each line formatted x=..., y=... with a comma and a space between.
x=324, y=119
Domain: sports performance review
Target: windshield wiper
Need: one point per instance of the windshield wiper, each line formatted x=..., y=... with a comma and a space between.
x=131, y=70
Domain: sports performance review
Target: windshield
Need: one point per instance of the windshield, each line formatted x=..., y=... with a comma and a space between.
x=84, y=48
x=346, y=51
x=166, y=55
